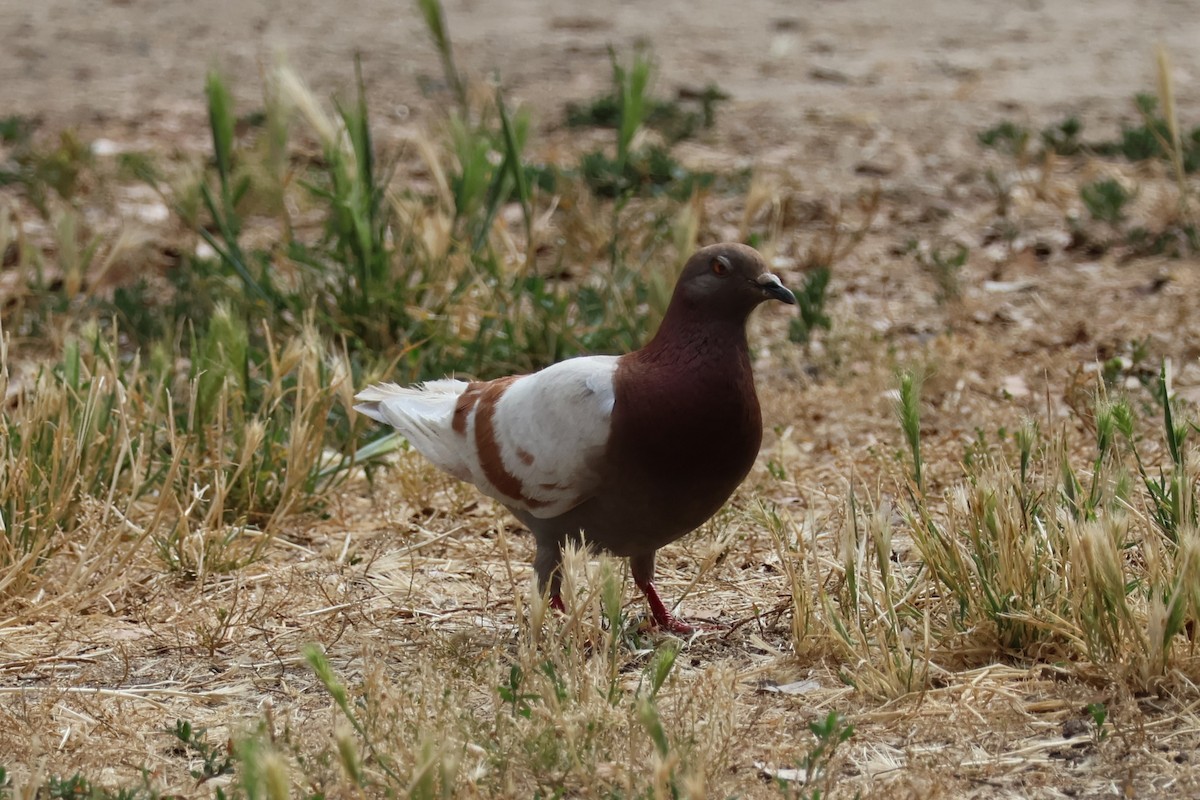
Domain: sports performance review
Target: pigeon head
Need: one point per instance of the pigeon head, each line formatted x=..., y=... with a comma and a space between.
x=728, y=280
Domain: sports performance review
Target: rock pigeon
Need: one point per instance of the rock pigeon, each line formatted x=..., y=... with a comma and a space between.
x=632, y=452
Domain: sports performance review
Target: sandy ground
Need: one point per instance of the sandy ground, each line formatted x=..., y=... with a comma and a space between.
x=838, y=95
x=932, y=64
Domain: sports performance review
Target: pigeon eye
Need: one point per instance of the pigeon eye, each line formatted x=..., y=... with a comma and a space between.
x=720, y=267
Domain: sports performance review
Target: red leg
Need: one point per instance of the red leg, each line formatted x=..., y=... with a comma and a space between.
x=662, y=617
x=642, y=567
x=557, y=604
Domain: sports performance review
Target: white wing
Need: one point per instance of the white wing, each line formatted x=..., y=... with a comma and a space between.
x=551, y=429
x=533, y=442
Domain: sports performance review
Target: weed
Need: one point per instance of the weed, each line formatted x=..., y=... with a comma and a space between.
x=70, y=443
x=1176, y=240
x=1105, y=200
x=373, y=277
x=1063, y=137
x=1050, y=562
x=673, y=119
x=1132, y=362
x=944, y=265
x=43, y=174
x=222, y=206
x=435, y=23
x=1007, y=137
x=1099, y=714
x=811, y=301
x=814, y=779
x=636, y=171
x=79, y=787
x=100, y=439
x=1159, y=136
x=1027, y=552
x=215, y=760
x=16, y=129
x=251, y=442
x=908, y=409
x=572, y=698
x=829, y=733
x=1153, y=138
x=649, y=171
x=1171, y=496
x=481, y=183
x=511, y=693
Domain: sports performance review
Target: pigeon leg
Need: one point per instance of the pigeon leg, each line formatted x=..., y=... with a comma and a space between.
x=545, y=563
x=643, y=575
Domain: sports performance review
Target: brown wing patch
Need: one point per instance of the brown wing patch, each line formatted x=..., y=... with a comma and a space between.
x=464, y=406
x=488, y=447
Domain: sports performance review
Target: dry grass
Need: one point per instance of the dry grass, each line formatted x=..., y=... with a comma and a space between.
x=384, y=640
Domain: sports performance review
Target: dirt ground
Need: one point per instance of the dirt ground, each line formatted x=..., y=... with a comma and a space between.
x=923, y=72
x=836, y=95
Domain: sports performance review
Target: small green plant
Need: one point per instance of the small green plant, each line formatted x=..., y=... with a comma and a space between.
x=489, y=170
x=341, y=697
x=373, y=278
x=43, y=174
x=1153, y=138
x=1063, y=137
x=649, y=171
x=811, y=302
x=15, y=129
x=72, y=440
x=944, y=265
x=636, y=171
x=1105, y=200
x=1132, y=362
x=1172, y=495
x=648, y=712
x=1052, y=555
x=1007, y=137
x=908, y=410
x=79, y=787
x=215, y=760
x=673, y=119
x=511, y=693
x=829, y=733
x=1175, y=240
x=1159, y=136
x=222, y=205
x=435, y=22
x=1099, y=714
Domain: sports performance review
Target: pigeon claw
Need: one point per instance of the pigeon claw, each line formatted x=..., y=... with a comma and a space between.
x=663, y=619
x=673, y=624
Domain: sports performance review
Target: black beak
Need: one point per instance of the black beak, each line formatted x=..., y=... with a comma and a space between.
x=774, y=290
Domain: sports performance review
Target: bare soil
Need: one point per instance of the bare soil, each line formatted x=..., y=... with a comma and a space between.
x=829, y=99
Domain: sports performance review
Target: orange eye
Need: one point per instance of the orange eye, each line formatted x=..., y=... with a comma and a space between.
x=719, y=267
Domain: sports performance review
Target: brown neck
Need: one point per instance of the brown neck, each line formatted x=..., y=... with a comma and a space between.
x=689, y=338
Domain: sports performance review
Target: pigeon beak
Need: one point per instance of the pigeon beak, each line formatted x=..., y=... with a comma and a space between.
x=774, y=290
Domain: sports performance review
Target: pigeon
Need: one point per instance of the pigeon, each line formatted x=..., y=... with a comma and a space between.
x=627, y=453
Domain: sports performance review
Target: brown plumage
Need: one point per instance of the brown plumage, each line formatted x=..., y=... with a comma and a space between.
x=632, y=452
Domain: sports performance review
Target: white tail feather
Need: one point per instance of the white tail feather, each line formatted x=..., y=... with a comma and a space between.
x=423, y=415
